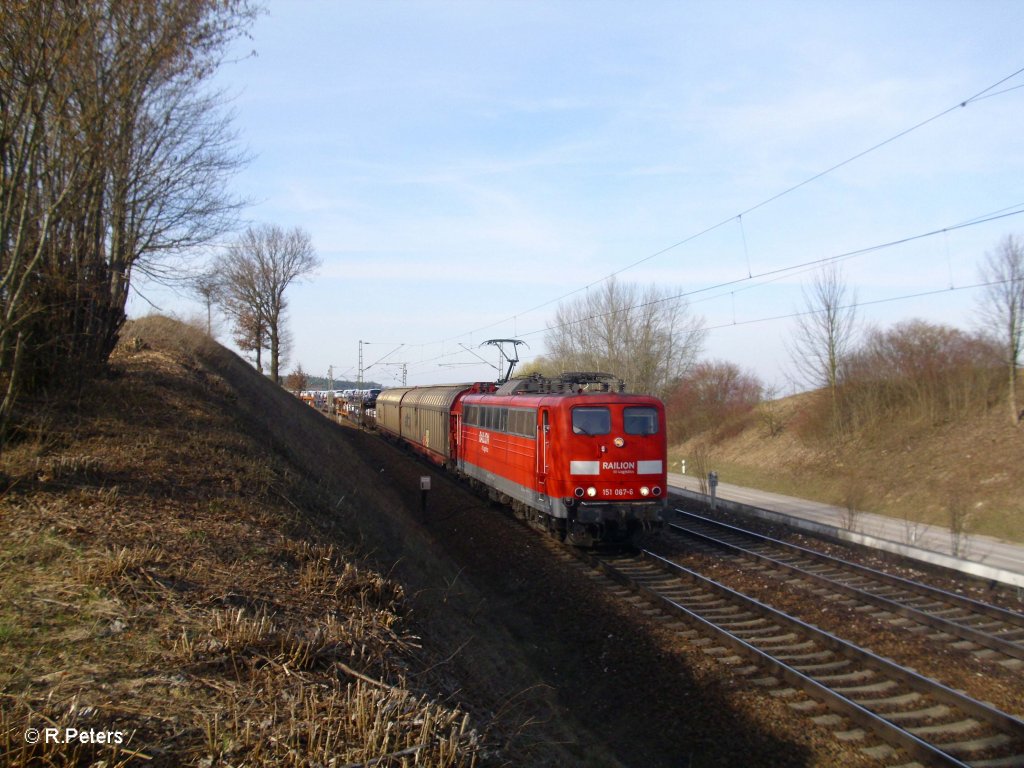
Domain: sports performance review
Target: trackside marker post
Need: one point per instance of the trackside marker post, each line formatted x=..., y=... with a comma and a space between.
x=424, y=488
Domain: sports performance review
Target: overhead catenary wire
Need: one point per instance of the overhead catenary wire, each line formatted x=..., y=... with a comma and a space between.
x=979, y=96
x=780, y=274
x=753, y=281
x=378, y=361
x=774, y=274
x=858, y=304
x=733, y=286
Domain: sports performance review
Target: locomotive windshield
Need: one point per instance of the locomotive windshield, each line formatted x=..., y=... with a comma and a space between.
x=591, y=421
x=640, y=421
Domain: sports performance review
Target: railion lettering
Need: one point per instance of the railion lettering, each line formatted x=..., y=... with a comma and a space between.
x=619, y=466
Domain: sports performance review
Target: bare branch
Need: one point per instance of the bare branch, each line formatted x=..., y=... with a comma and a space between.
x=825, y=333
x=112, y=157
x=257, y=269
x=1002, y=310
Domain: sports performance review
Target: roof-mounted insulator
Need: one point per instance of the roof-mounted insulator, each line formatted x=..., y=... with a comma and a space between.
x=575, y=382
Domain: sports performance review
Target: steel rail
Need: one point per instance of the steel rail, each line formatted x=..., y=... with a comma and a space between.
x=1010, y=648
x=994, y=611
x=890, y=732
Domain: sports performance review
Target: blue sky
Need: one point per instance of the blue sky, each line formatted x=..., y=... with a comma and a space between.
x=459, y=164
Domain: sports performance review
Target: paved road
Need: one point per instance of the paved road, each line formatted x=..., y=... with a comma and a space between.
x=979, y=549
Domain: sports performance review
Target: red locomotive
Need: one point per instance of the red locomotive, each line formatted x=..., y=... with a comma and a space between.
x=575, y=454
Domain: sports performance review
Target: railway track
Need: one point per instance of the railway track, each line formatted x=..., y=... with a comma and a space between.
x=928, y=721
x=952, y=617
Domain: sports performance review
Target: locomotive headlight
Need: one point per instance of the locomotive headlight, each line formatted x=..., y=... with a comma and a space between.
x=591, y=491
x=619, y=442
x=645, y=491
x=578, y=493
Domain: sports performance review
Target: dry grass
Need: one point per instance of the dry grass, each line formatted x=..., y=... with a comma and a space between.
x=908, y=470
x=170, y=571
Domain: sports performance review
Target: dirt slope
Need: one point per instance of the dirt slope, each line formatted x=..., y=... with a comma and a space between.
x=919, y=472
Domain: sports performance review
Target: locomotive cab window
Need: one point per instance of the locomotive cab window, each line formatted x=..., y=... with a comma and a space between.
x=640, y=421
x=591, y=421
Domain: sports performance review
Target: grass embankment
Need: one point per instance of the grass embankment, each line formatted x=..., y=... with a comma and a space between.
x=963, y=472
x=178, y=588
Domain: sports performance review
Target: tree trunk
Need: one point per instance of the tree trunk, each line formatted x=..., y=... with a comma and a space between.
x=1016, y=414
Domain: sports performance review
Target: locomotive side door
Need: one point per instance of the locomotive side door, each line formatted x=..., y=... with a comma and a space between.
x=455, y=440
x=543, y=449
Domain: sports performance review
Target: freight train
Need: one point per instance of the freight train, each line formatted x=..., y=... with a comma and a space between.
x=575, y=455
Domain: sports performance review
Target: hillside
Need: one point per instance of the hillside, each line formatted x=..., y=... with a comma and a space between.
x=962, y=472
x=178, y=588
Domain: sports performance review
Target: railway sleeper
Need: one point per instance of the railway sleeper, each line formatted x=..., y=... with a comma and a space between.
x=806, y=705
x=754, y=634
x=746, y=671
x=726, y=611
x=882, y=752
x=851, y=691
x=793, y=659
x=716, y=650
x=786, y=637
x=677, y=593
x=952, y=613
x=783, y=693
x=857, y=676
x=983, y=623
x=958, y=727
x=829, y=720
x=928, y=713
x=698, y=602
x=854, y=734
x=986, y=654
x=645, y=577
x=755, y=623
x=732, y=661
x=880, y=705
x=981, y=744
x=1014, y=761
x=820, y=671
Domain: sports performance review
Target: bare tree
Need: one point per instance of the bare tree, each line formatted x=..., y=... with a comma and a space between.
x=297, y=380
x=207, y=286
x=112, y=156
x=825, y=331
x=700, y=458
x=250, y=332
x=1002, y=309
x=31, y=96
x=647, y=336
x=257, y=270
x=770, y=412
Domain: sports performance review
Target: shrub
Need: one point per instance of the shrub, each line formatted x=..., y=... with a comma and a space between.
x=923, y=372
x=714, y=397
